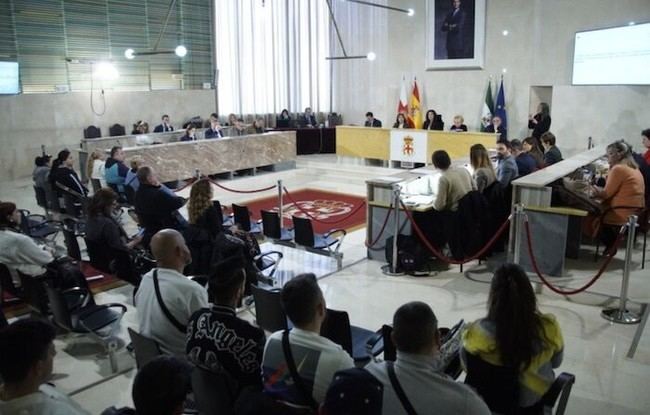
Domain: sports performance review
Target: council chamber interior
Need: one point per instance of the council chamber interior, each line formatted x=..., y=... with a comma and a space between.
x=403, y=153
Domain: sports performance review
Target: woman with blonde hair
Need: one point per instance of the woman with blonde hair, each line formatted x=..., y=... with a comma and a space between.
x=484, y=174
x=201, y=211
x=95, y=170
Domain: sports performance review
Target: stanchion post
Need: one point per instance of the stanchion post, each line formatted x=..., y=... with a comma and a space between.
x=621, y=314
x=391, y=269
x=197, y=174
x=518, y=233
x=280, y=204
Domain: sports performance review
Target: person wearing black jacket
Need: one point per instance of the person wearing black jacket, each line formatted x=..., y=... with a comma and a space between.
x=540, y=122
x=156, y=208
x=63, y=173
x=217, y=338
x=433, y=121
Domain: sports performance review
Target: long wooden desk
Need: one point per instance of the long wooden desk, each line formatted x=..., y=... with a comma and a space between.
x=374, y=143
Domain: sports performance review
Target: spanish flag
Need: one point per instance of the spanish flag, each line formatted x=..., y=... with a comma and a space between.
x=415, y=113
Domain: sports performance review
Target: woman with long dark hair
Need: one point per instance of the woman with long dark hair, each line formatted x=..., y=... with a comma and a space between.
x=540, y=122
x=515, y=334
x=432, y=121
x=401, y=121
x=63, y=173
x=106, y=236
x=532, y=146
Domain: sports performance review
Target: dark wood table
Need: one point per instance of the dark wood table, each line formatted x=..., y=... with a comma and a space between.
x=313, y=140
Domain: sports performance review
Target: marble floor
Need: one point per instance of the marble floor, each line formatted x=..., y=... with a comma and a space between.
x=607, y=382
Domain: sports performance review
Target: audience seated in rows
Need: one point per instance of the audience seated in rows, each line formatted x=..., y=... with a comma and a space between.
x=515, y=334
x=165, y=126
x=110, y=244
x=415, y=335
x=115, y=170
x=484, y=174
x=156, y=207
x=26, y=358
x=63, y=173
x=552, y=154
x=166, y=298
x=526, y=164
x=532, y=146
x=507, y=169
x=315, y=358
x=217, y=339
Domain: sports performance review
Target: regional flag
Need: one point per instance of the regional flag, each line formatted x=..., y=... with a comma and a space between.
x=403, y=105
x=500, y=109
x=488, y=107
x=415, y=114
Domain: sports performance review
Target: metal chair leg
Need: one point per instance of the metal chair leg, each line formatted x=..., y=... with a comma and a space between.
x=645, y=239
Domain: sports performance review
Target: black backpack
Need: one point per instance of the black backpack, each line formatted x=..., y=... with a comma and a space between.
x=411, y=255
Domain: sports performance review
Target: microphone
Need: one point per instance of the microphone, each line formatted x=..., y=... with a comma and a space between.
x=589, y=144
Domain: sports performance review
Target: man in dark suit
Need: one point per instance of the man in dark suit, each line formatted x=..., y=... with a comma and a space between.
x=308, y=119
x=165, y=126
x=215, y=128
x=526, y=164
x=371, y=121
x=496, y=127
x=454, y=25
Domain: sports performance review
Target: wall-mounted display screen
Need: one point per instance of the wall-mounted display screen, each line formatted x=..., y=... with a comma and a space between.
x=9, y=78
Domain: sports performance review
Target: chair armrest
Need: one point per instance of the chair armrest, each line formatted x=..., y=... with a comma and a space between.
x=335, y=231
x=373, y=340
x=101, y=307
x=265, y=254
x=562, y=381
x=342, y=232
x=42, y=218
x=25, y=211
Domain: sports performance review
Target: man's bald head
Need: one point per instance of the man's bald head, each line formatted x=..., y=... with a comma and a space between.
x=170, y=250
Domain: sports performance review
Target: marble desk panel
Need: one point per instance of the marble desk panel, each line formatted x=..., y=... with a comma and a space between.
x=180, y=160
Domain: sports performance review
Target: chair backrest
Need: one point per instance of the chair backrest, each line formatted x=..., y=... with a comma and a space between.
x=41, y=197
x=390, y=351
x=269, y=313
x=558, y=394
x=242, y=216
x=303, y=231
x=70, y=239
x=214, y=392
x=116, y=129
x=219, y=209
x=59, y=308
x=98, y=255
x=271, y=224
x=7, y=283
x=497, y=385
x=336, y=327
x=130, y=195
x=145, y=348
x=92, y=132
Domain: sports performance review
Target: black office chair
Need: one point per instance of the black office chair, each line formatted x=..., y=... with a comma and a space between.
x=145, y=348
x=272, y=229
x=96, y=185
x=92, y=132
x=30, y=290
x=41, y=198
x=269, y=313
x=361, y=344
x=116, y=130
x=242, y=217
x=304, y=235
x=38, y=226
x=499, y=388
x=71, y=230
x=214, y=392
x=74, y=203
x=101, y=322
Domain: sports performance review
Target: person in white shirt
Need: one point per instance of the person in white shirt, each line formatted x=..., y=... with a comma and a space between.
x=181, y=296
x=26, y=356
x=19, y=252
x=316, y=358
x=415, y=335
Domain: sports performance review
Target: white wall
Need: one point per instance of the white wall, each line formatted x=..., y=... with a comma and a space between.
x=538, y=51
x=57, y=120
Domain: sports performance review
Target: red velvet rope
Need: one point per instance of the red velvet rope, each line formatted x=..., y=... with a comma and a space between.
x=186, y=185
x=573, y=291
x=242, y=191
x=381, y=231
x=444, y=258
x=331, y=222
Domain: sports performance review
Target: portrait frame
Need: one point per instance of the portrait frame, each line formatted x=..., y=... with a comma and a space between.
x=453, y=48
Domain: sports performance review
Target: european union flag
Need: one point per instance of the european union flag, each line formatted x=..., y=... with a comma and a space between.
x=500, y=109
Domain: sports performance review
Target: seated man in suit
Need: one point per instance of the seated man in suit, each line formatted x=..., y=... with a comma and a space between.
x=165, y=126
x=215, y=128
x=308, y=119
x=26, y=355
x=415, y=335
x=507, y=169
x=316, y=358
x=156, y=207
x=371, y=121
x=552, y=154
x=526, y=163
x=496, y=127
x=217, y=338
x=166, y=323
x=115, y=170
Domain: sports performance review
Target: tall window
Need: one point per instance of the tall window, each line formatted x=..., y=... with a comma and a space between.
x=271, y=55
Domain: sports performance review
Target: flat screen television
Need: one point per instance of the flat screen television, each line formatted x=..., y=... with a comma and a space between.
x=9, y=78
x=614, y=56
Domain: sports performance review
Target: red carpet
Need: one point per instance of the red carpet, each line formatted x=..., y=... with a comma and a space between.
x=336, y=210
x=14, y=307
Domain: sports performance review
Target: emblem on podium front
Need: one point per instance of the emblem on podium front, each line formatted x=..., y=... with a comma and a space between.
x=407, y=146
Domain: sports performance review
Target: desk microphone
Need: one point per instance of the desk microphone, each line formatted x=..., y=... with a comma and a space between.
x=589, y=144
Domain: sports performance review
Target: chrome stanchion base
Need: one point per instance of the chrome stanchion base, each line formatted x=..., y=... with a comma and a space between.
x=386, y=270
x=615, y=315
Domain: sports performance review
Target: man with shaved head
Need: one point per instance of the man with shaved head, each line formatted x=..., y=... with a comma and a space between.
x=166, y=298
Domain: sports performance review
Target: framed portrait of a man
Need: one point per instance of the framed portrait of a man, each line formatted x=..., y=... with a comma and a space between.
x=455, y=32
